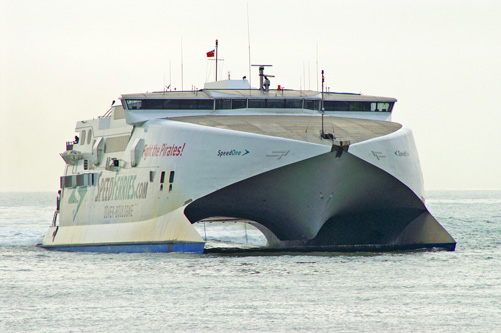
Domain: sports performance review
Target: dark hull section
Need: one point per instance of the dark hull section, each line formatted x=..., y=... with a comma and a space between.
x=291, y=250
x=328, y=202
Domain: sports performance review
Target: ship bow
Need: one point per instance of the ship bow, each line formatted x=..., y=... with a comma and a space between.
x=332, y=201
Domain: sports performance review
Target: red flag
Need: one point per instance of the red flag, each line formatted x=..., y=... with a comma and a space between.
x=210, y=54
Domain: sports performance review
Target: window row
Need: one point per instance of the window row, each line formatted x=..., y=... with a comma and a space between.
x=170, y=104
x=261, y=103
x=85, y=179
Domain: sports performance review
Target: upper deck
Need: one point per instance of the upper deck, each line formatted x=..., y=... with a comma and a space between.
x=228, y=98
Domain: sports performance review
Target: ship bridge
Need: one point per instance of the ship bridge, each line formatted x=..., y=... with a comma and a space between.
x=229, y=98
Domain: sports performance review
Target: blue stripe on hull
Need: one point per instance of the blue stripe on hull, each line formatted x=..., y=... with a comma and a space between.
x=134, y=248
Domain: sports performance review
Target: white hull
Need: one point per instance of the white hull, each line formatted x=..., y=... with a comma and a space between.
x=140, y=186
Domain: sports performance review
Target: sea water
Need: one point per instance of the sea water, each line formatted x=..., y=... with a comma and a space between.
x=405, y=291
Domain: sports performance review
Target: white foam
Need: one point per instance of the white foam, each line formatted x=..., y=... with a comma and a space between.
x=20, y=238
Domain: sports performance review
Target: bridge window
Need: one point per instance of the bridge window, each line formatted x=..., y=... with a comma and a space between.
x=312, y=104
x=256, y=103
x=293, y=103
x=239, y=104
x=223, y=104
x=170, y=104
x=356, y=106
x=275, y=103
x=134, y=104
x=382, y=107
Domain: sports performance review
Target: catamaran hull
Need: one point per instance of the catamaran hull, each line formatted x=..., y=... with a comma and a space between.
x=303, y=196
x=171, y=232
x=329, y=202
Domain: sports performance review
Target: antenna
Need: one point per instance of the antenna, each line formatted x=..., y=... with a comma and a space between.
x=304, y=77
x=248, y=40
x=317, y=66
x=182, y=83
x=309, y=76
x=322, y=106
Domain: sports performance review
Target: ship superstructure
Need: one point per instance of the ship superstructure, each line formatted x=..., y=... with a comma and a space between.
x=311, y=170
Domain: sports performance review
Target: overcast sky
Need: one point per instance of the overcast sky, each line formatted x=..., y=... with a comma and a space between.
x=64, y=61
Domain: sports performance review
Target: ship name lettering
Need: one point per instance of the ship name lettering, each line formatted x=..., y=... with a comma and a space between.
x=118, y=211
x=121, y=188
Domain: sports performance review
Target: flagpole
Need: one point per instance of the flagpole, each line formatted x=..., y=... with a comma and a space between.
x=216, y=59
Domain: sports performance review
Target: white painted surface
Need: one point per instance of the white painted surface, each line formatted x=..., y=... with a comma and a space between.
x=396, y=154
x=172, y=227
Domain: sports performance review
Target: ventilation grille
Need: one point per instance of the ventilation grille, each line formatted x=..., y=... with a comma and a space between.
x=116, y=144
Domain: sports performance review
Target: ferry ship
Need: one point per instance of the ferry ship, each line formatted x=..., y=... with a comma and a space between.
x=313, y=171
